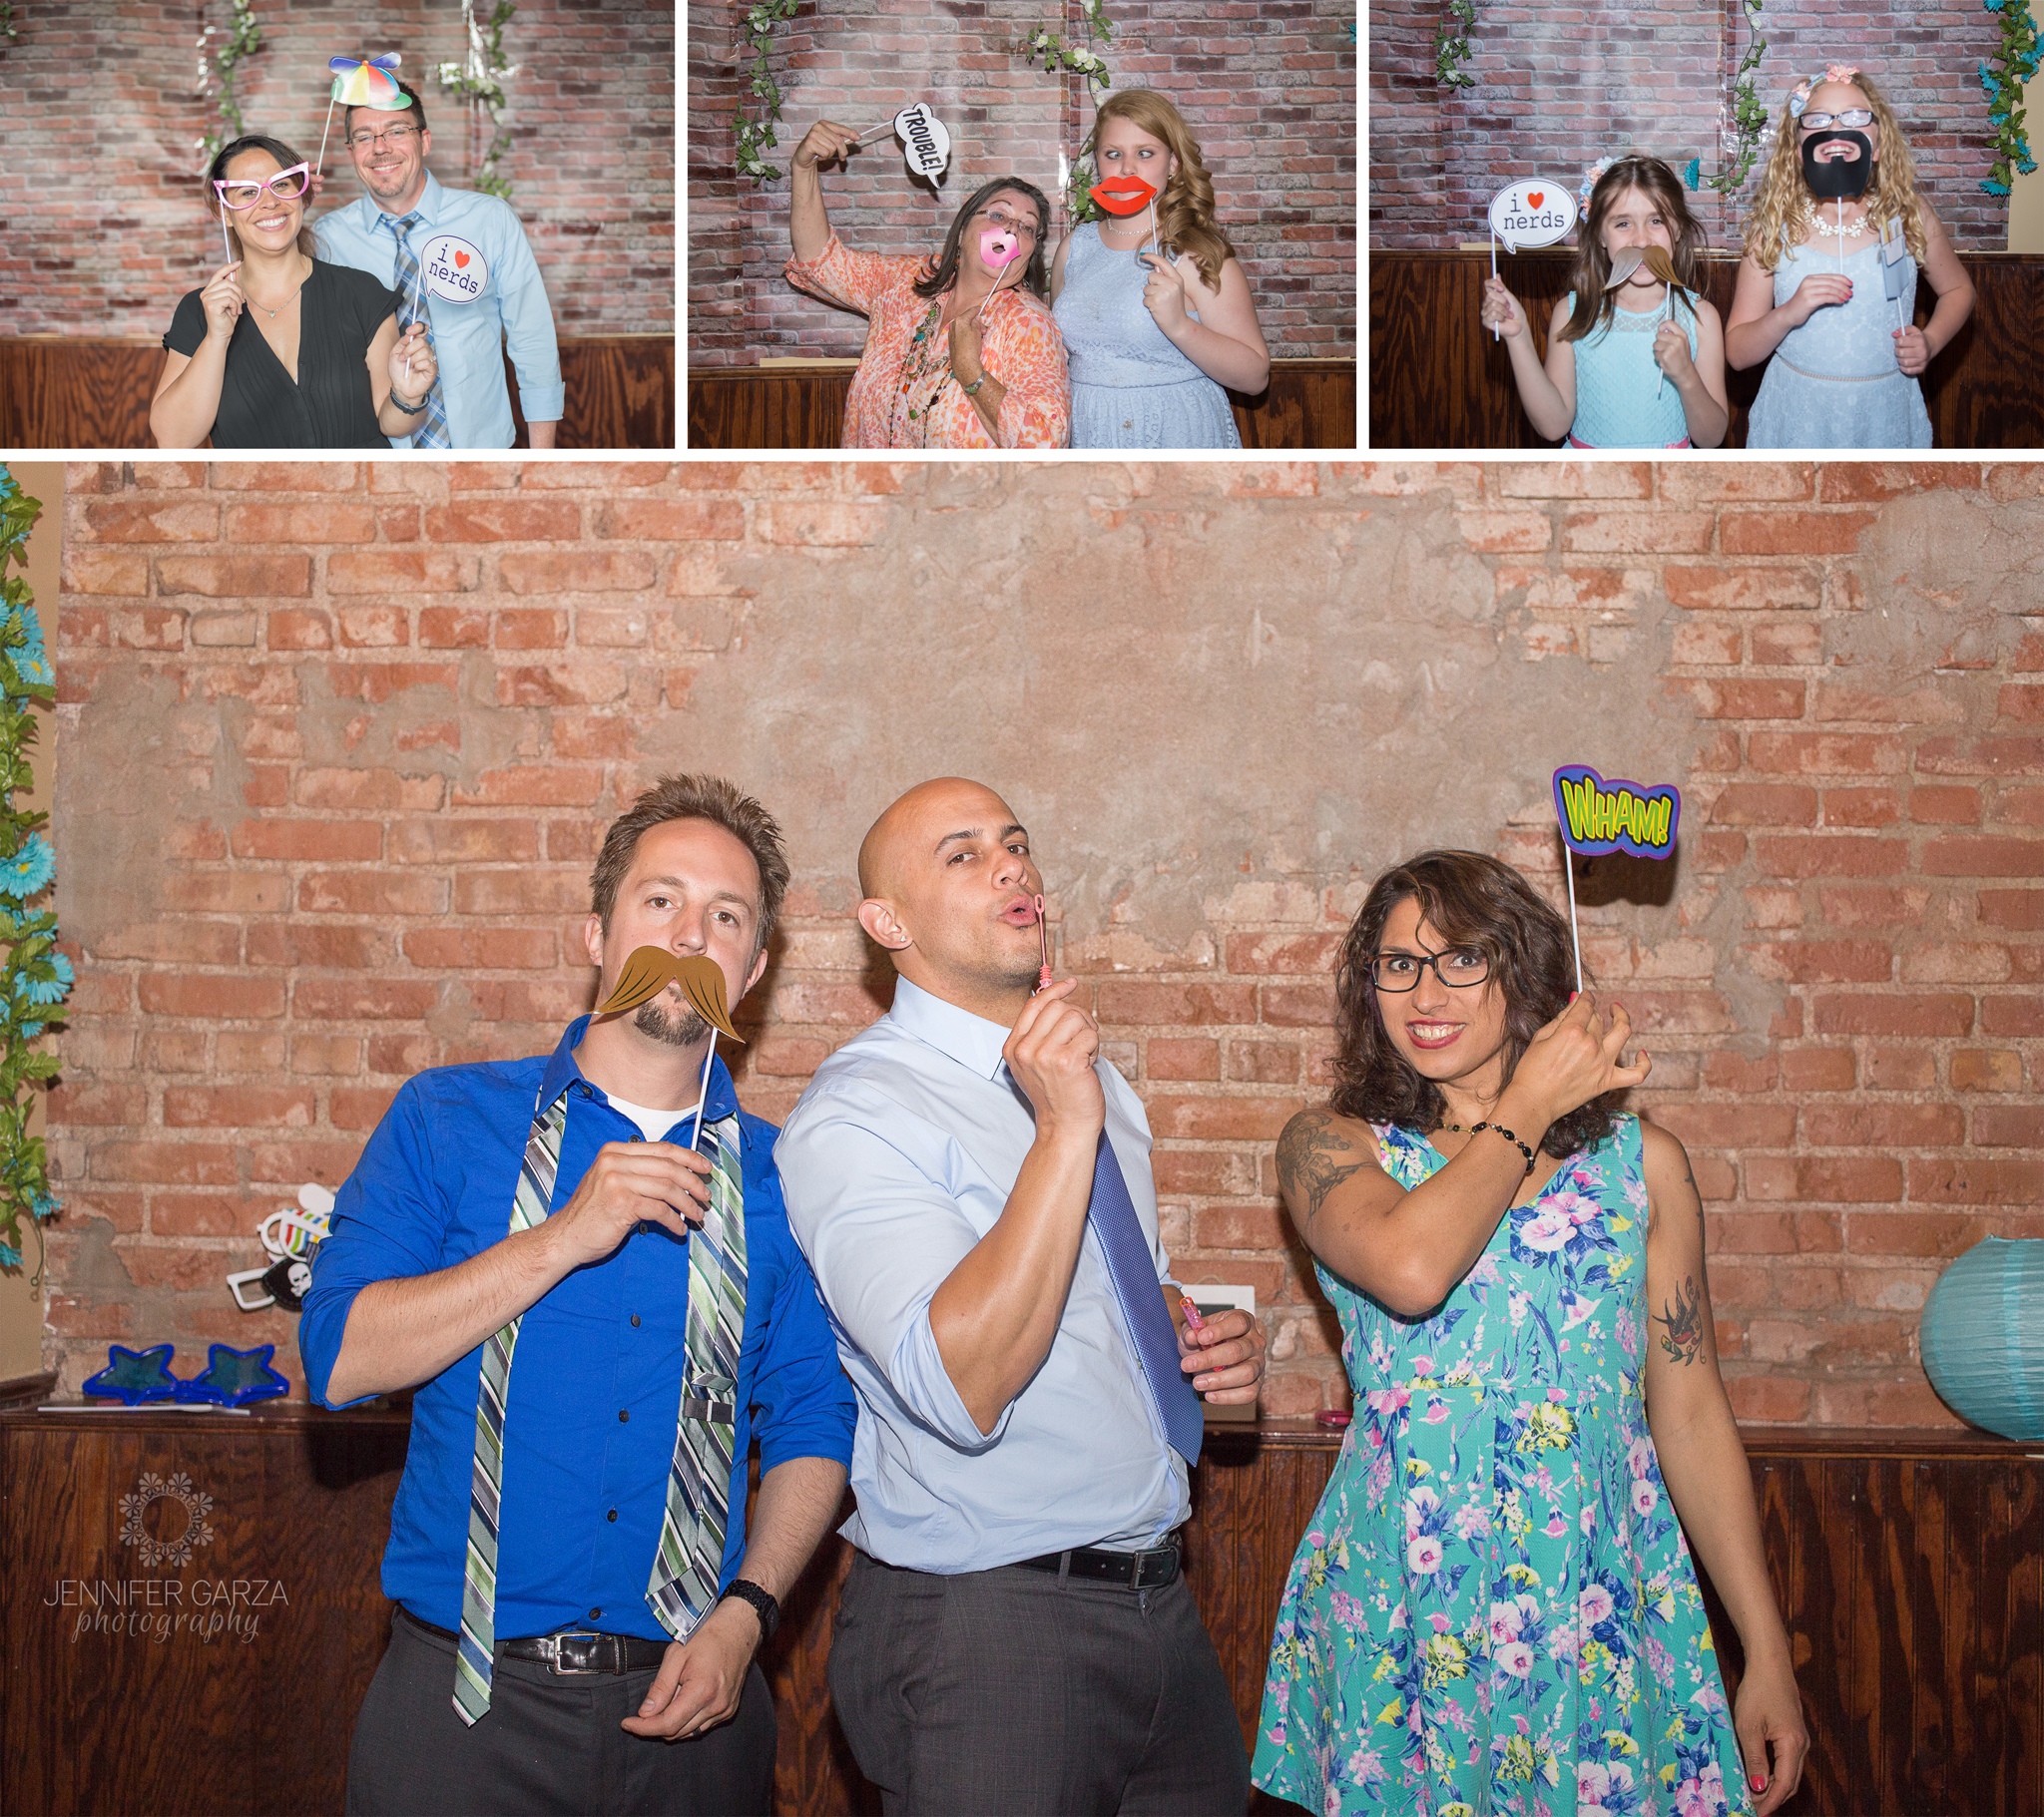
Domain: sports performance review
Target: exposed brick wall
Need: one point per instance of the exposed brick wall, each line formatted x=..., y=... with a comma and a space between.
x=337, y=743
x=102, y=224
x=1557, y=89
x=1270, y=91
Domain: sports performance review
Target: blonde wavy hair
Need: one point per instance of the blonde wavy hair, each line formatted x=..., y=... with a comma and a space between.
x=1184, y=211
x=1783, y=210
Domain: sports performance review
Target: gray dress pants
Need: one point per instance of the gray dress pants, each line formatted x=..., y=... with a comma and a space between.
x=1014, y=1694
x=546, y=1744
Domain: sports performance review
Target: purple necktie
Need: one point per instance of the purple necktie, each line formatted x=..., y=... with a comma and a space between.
x=1134, y=1274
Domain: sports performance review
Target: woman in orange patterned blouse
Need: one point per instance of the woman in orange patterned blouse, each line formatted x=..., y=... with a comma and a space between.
x=961, y=352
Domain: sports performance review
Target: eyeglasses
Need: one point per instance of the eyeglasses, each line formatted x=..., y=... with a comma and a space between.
x=1853, y=116
x=246, y=192
x=399, y=137
x=1022, y=230
x=1401, y=972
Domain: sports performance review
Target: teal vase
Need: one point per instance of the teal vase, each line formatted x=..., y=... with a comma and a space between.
x=1983, y=1337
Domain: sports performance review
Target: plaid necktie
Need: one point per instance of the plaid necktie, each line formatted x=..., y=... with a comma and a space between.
x=683, y=1586
x=476, y=1659
x=1134, y=1274
x=433, y=432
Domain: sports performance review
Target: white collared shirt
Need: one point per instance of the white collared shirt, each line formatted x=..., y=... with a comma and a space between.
x=898, y=1158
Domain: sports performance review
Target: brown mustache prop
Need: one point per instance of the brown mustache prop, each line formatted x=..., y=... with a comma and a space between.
x=650, y=969
x=1630, y=258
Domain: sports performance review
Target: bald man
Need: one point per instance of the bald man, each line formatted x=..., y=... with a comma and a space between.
x=971, y=1184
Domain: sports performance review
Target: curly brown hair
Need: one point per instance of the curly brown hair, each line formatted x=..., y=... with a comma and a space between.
x=1469, y=900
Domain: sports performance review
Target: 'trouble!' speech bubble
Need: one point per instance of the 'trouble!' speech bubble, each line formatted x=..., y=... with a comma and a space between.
x=1534, y=211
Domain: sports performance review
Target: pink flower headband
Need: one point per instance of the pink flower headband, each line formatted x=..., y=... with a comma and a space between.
x=1592, y=175
x=1798, y=97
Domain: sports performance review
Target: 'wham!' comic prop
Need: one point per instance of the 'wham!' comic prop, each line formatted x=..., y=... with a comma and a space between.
x=360, y=83
x=1534, y=211
x=650, y=970
x=927, y=143
x=1598, y=816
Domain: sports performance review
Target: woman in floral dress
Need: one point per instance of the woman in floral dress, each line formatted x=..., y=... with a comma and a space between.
x=1495, y=1608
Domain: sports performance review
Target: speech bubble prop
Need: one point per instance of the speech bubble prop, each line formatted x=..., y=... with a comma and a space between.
x=926, y=141
x=1534, y=211
x=649, y=970
x=454, y=270
x=1597, y=816
x=360, y=83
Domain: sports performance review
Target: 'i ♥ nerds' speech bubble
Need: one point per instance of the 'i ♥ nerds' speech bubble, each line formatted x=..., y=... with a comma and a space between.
x=1534, y=211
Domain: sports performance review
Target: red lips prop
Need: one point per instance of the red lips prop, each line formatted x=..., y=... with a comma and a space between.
x=1124, y=195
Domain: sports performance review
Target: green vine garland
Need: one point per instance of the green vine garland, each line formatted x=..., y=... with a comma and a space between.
x=1057, y=54
x=8, y=29
x=2016, y=62
x=35, y=977
x=244, y=40
x=1451, y=47
x=1748, y=115
x=480, y=80
x=756, y=137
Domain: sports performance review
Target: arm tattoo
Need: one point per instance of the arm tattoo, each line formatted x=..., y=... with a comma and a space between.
x=1684, y=1339
x=1307, y=1164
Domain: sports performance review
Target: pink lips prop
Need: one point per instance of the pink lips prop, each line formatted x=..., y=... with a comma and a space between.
x=999, y=248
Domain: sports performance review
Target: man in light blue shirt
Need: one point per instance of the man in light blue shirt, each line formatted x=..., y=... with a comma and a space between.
x=428, y=242
x=971, y=1184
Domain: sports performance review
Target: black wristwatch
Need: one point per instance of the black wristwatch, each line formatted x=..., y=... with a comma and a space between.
x=763, y=1605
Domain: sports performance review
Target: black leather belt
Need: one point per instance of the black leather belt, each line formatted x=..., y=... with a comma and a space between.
x=1096, y=1565
x=575, y=1654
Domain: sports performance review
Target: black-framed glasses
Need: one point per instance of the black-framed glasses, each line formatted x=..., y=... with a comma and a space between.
x=1399, y=972
x=1853, y=116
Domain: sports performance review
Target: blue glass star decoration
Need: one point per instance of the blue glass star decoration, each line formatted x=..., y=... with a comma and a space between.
x=134, y=1376
x=235, y=1376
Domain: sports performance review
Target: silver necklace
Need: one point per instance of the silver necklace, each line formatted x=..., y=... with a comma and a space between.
x=287, y=301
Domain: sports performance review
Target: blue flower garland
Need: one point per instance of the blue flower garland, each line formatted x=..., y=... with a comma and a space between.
x=36, y=977
x=2017, y=63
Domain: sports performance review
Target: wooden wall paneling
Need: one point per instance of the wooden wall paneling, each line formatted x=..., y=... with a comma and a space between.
x=814, y=1774
x=1438, y=379
x=2007, y=1688
x=78, y=394
x=1309, y=405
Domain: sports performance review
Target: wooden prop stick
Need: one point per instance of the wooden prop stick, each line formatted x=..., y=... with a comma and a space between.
x=1497, y=332
x=321, y=165
x=703, y=1090
x=226, y=244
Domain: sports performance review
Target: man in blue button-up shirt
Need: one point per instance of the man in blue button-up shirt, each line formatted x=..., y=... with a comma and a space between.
x=1015, y=1637
x=389, y=152
x=421, y=1269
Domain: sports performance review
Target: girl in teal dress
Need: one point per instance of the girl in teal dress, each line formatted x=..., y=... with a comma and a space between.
x=1631, y=365
x=1495, y=1608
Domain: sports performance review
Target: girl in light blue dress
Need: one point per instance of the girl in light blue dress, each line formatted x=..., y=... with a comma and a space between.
x=1156, y=313
x=1633, y=362
x=1494, y=1609
x=1827, y=288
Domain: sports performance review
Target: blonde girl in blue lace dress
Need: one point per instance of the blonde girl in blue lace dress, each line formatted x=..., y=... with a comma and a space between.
x=1495, y=1608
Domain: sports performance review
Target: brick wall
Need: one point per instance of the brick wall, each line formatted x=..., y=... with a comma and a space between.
x=1556, y=89
x=1270, y=91
x=102, y=224
x=337, y=745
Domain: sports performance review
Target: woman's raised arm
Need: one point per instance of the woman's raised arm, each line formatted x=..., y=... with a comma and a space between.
x=809, y=222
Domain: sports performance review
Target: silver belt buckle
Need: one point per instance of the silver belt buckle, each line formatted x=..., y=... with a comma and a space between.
x=1166, y=1557
x=585, y=1668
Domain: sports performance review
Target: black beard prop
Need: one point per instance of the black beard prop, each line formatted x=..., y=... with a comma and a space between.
x=1837, y=178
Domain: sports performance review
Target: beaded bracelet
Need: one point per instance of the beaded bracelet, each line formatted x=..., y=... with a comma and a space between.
x=1500, y=1129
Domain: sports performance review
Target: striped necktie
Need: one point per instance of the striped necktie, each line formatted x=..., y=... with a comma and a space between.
x=683, y=1585
x=1132, y=1270
x=433, y=432
x=476, y=1659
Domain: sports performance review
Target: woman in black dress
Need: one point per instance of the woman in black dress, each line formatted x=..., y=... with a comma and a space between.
x=281, y=350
